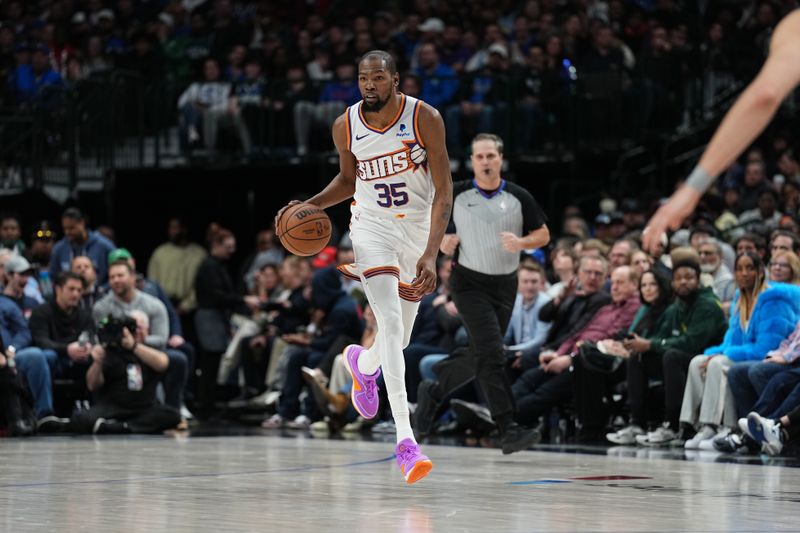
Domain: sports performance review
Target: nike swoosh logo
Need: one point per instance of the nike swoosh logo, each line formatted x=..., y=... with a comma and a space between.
x=359, y=138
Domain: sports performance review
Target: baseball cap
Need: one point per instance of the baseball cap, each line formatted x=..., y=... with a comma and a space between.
x=105, y=14
x=498, y=49
x=19, y=265
x=602, y=219
x=432, y=24
x=120, y=254
x=325, y=258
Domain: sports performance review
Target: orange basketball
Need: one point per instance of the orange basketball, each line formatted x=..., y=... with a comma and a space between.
x=304, y=229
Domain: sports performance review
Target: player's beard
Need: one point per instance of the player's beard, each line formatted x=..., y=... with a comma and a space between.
x=377, y=106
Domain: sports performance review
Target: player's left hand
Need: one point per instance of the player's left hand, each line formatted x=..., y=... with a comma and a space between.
x=425, y=282
x=669, y=216
x=511, y=243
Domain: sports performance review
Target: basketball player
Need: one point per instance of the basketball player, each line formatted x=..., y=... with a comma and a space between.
x=393, y=162
x=743, y=123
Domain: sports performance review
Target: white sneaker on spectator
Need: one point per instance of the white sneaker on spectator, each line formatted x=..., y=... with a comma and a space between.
x=355, y=426
x=320, y=426
x=626, y=435
x=706, y=433
x=767, y=432
x=742, y=423
x=661, y=436
x=730, y=443
x=708, y=444
x=276, y=421
x=193, y=134
x=301, y=422
x=186, y=414
x=265, y=399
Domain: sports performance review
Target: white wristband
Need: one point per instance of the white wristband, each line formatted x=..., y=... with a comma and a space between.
x=700, y=180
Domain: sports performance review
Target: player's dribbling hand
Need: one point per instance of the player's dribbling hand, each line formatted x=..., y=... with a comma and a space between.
x=669, y=216
x=425, y=282
x=284, y=208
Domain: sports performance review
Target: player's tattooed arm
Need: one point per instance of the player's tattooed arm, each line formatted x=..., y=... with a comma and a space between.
x=432, y=132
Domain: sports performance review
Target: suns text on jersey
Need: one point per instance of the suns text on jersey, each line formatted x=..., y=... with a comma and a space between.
x=384, y=166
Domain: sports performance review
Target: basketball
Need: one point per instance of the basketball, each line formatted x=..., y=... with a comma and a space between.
x=304, y=229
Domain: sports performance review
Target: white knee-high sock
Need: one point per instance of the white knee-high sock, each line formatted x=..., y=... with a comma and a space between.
x=409, y=311
x=385, y=302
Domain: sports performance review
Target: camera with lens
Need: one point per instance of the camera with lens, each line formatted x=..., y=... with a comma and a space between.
x=109, y=331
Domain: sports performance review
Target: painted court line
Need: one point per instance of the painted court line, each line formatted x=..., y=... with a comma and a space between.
x=188, y=476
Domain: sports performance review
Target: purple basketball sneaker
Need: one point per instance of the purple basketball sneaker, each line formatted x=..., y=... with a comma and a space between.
x=412, y=463
x=365, y=388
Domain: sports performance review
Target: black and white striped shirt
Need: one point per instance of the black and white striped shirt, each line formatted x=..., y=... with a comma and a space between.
x=481, y=216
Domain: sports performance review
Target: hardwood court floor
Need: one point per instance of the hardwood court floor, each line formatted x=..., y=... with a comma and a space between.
x=302, y=484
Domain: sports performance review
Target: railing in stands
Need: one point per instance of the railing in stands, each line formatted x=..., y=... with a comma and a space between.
x=117, y=120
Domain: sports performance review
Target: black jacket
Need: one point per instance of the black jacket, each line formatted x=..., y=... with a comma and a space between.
x=53, y=329
x=214, y=287
x=571, y=316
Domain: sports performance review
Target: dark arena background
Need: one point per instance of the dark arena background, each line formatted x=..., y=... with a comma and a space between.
x=166, y=365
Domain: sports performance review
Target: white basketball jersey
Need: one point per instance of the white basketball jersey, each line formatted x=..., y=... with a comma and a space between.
x=392, y=179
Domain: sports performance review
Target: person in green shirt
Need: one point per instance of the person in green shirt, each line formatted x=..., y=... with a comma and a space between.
x=694, y=321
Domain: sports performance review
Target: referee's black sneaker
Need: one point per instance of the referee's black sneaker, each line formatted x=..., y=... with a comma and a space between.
x=427, y=407
x=517, y=438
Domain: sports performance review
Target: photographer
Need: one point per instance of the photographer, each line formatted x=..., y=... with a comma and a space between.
x=125, y=298
x=124, y=375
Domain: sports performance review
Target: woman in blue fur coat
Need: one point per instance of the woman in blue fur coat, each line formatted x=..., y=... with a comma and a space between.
x=763, y=315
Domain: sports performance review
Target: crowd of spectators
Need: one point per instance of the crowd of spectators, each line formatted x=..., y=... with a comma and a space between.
x=278, y=74
x=700, y=337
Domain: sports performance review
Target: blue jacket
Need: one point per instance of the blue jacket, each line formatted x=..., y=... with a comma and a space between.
x=773, y=320
x=13, y=326
x=438, y=87
x=95, y=248
x=27, y=86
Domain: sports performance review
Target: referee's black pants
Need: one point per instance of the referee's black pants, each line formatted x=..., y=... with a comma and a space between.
x=485, y=303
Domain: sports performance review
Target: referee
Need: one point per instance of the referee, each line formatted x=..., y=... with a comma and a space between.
x=494, y=221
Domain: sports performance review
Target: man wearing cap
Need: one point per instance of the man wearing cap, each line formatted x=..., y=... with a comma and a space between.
x=79, y=240
x=130, y=292
x=690, y=324
x=18, y=274
x=602, y=228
